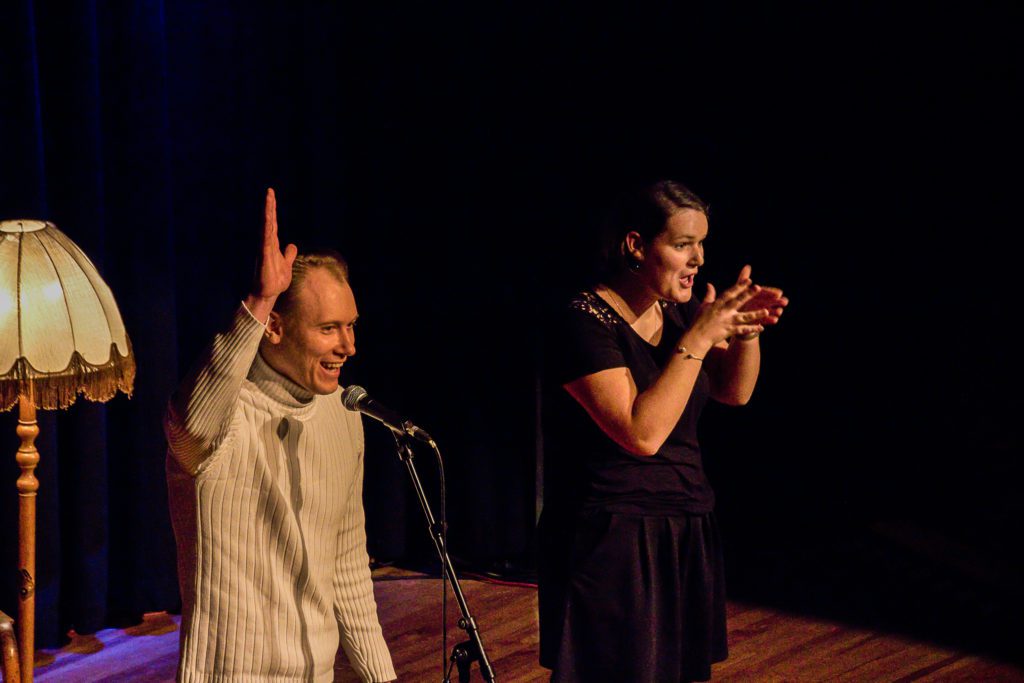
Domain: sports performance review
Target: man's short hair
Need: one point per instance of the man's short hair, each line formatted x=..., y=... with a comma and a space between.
x=327, y=259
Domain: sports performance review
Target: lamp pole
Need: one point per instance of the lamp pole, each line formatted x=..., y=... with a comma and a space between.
x=28, y=458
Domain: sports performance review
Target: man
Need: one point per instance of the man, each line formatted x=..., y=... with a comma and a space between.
x=265, y=474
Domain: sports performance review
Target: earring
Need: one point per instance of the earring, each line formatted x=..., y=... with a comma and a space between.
x=634, y=266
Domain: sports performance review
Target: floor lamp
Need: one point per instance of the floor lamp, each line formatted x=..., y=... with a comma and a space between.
x=61, y=335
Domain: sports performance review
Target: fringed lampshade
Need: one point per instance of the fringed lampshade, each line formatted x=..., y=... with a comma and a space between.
x=60, y=329
x=61, y=335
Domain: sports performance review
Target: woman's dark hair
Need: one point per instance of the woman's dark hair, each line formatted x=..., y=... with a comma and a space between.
x=644, y=210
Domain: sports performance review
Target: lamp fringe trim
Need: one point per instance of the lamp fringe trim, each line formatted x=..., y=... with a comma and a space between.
x=52, y=390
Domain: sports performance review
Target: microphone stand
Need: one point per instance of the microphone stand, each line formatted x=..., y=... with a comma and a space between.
x=463, y=654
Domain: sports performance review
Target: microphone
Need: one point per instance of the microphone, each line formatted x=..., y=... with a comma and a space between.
x=354, y=397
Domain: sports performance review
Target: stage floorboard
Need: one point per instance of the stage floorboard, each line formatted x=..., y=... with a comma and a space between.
x=765, y=644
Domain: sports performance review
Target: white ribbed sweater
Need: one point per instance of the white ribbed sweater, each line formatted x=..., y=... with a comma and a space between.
x=265, y=487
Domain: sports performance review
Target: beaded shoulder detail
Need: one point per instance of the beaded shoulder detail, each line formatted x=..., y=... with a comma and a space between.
x=592, y=304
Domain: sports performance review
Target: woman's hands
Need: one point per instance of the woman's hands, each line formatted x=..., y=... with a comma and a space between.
x=769, y=299
x=734, y=367
x=743, y=309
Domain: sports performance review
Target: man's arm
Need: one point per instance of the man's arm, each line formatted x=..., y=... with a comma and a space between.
x=354, y=604
x=199, y=413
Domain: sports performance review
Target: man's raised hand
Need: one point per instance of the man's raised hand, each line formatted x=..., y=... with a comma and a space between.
x=273, y=267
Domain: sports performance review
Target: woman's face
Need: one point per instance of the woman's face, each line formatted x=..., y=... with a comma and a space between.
x=670, y=261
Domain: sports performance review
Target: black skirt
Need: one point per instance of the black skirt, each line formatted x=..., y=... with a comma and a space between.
x=631, y=598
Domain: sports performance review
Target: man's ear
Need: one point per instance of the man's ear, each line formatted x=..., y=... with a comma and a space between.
x=275, y=328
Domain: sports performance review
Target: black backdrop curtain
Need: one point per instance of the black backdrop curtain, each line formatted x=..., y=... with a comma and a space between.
x=864, y=157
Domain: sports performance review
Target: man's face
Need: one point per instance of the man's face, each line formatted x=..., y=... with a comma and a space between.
x=318, y=335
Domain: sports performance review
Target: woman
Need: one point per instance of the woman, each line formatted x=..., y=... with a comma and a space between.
x=631, y=579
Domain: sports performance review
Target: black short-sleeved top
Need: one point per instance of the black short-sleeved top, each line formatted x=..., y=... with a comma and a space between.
x=586, y=469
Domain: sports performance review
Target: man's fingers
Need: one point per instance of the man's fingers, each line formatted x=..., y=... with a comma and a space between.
x=744, y=274
x=290, y=252
x=270, y=213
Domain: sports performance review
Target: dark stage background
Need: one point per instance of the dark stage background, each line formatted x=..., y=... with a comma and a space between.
x=864, y=158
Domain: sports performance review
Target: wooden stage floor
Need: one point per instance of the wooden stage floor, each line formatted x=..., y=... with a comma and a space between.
x=765, y=644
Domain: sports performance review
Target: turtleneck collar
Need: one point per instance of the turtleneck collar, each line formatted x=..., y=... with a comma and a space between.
x=277, y=386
